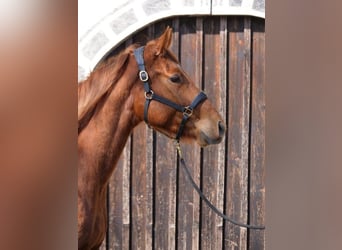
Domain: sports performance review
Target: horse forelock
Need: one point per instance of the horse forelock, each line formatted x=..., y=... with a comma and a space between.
x=98, y=84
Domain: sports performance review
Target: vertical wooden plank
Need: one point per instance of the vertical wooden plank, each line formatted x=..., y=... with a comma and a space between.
x=197, y=153
x=104, y=243
x=142, y=176
x=140, y=187
x=150, y=175
x=165, y=174
x=257, y=155
x=126, y=201
x=214, y=156
x=191, y=34
x=238, y=131
x=223, y=86
x=115, y=210
x=119, y=207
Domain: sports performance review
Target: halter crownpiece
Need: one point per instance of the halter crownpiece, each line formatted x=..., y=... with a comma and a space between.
x=150, y=95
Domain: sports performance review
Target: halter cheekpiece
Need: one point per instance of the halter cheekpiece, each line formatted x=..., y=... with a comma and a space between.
x=150, y=95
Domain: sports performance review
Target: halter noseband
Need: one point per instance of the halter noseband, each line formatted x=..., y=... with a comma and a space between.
x=150, y=95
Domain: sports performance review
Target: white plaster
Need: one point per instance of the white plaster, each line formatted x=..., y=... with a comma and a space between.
x=91, y=12
x=98, y=16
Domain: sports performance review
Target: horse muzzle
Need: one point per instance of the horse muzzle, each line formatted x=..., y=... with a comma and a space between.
x=209, y=136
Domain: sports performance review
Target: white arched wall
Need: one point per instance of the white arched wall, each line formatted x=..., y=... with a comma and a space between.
x=116, y=20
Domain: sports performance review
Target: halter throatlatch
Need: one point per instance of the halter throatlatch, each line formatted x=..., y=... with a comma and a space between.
x=150, y=95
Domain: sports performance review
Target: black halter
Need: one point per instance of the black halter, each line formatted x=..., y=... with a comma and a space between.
x=150, y=95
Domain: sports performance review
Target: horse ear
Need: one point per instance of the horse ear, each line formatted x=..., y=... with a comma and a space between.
x=164, y=41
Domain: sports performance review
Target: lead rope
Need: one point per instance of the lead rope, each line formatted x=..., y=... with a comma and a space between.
x=204, y=198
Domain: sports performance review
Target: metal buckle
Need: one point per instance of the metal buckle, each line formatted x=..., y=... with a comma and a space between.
x=143, y=76
x=178, y=148
x=187, y=111
x=149, y=95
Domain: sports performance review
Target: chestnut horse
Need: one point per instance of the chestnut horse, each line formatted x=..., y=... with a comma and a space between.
x=139, y=84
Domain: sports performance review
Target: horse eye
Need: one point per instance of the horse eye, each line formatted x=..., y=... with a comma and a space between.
x=175, y=79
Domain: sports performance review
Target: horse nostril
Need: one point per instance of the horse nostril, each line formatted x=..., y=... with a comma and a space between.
x=222, y=128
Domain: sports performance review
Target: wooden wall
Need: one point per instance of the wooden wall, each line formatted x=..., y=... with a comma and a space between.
x=151, y=205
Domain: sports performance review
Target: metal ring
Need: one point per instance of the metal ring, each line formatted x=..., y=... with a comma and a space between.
x=143, y=75
x=187, y=111
x=149, y=95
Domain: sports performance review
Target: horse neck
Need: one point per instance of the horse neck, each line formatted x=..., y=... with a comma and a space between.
x=101, y=142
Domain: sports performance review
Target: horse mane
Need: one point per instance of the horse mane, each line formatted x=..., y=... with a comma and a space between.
x=99, y=84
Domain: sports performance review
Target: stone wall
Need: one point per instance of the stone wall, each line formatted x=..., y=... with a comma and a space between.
x=130, y=16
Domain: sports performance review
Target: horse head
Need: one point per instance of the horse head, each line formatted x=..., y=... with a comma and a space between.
x=165, y=79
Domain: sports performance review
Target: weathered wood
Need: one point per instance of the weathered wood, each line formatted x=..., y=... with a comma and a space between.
x=115, y=206
x=126, y=201
x=119, y=203
x=238, y=132
x=223, y=100
x=140, y=233
x=104, y=244
x=141, y=230
x=257, y=154
x=142, y=177
x=190, y=57
x=165, y=177
x=213, y=157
